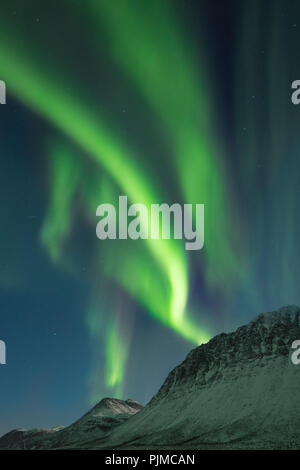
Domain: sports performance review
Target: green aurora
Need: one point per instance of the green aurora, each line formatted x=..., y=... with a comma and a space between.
x=38, y=90
x=90, y=160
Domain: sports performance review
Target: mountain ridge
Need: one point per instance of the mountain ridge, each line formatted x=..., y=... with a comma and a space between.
x=239, y=390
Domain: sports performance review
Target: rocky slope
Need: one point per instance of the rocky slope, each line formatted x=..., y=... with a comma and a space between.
x=240, y=390
x=97, y=422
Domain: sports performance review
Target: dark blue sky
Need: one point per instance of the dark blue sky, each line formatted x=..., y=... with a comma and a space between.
x=251, y=50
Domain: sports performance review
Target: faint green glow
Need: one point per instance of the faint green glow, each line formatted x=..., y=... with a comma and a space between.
x=116, y=354
x=105, y=331
x=64, y=177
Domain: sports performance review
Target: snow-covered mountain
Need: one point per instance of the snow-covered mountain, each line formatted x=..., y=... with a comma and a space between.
x=240, y=390
x=101, y=419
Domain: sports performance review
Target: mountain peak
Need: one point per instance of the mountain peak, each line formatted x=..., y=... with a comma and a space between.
x=117, y=406
x=268, y=335
x=239, y=390
x=287, y=314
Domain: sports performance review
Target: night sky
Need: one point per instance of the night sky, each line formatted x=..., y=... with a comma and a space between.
x=183, y=101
